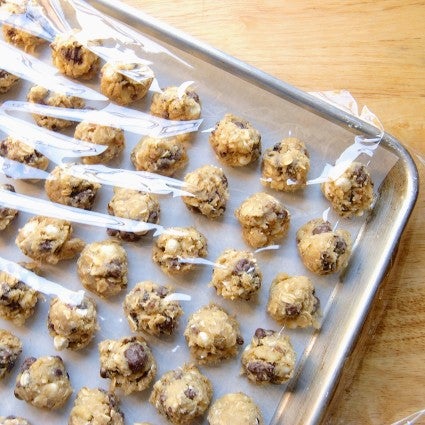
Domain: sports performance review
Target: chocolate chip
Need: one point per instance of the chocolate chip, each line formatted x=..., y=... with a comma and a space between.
x=167, y=326
x=82, y=198
x=125, y=236
x=153, y=217
x=162, y=291
x=103, y=372
x=58, y=372
x=193, y=95
x=136, y=358
x=27, y=363
x=282, y=215
x=3, y=73
x=8, y=187
x=340, y=246
x=263, y=371
x=291, y=171
x=45, y=246
x=3, y=148
x=316, y=305
x=178, y=374
x=324, y=227
x=113, y=269
x=240, y=124
x=292, y=310
x=190, y=393
x=239, y=340
x=261, y=333
x=74, y=54
x=328, y=265
x=277, y=147
x=361, y=176
x=244, y=266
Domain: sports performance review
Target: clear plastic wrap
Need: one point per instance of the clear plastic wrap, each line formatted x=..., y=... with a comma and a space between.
x=331, y=148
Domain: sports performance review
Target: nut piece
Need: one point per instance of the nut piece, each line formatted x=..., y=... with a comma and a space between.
x=119, y=87
x=264, y=220
x=286, y=165
x=235, y=141
x=128, y=363
x=182, y=395
x=235, y=409
x=292, y=302
x=351, y=194
x=269, y=358
x=177, y=244
x=322, y=250
x=212, y=335
x=103, y=268
x=43, y=382
x=151, y=308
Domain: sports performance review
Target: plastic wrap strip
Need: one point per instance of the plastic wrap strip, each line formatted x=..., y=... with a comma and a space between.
x=17, y=170
x=50, y=209
x=112, y=115
x=136, y=180
x=32, y=69
x=55, y=146
x=40, y=284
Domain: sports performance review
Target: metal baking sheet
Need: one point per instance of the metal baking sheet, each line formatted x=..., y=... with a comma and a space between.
x=228, y=85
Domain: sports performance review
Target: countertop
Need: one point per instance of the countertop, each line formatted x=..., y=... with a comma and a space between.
x=376, y=50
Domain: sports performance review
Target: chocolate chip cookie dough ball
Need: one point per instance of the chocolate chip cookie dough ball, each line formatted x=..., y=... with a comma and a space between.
x=72, y=326
x=212, y=335
x=13, y=420
x=209, y=186
x=176, y=103
x=7, y=214
x=351, y=194
x=235, y=409
x=264, y=220
x=161, y=156
x=111, y=137
x=10, y=349
x=121, y=88
x=72, y=58
x=7, y=81
x=182, y=395
x=48, y=240
x=64, y=188
x=95, y=407
x=17, y=300
x=19, y=151
x=292, y=301
x=269, y=358
x=286, y=165
x=103, y=268
x=151, y=308
x=323, y=250
x=235, y=141
x=43, y=382
x=134, y=205
x=236, y=275
x=128, y=363
x=43, y=96
x=175, y=245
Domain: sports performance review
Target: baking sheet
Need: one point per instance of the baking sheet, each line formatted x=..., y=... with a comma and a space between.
x=220, y=92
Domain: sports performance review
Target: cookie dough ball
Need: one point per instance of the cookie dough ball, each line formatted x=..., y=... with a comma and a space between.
x=72, y=326
x=121, y=88
x=134, y=205
x=111, y=137
x=236, y=275
x=43, y=382
x=72, y=58
x=269, y=358
x=235, y=409
x=151, y=308
x=19, y=151
x=212, y=335
x=13, y=420
x=17, y=300
x=43, y=96
x=64, y=188
x=161, y=156
x=182, y=395
x=10, y=349
x=175, y=103
x=7, y=81
x=176, y=244
x=323, y=250
x=103, y=268
x=286, y=165
x=264, y=220
x=128, y=363
x=235, y=141
x=7, y=214
x=95, y=407
x=209, y=186
x=292, y=302
x=351, y=194
x=48, y=240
